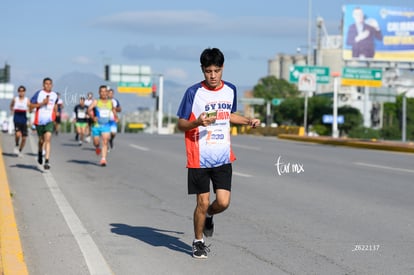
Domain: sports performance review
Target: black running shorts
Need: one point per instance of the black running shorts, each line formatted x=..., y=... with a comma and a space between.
x=199, y=179
x=21, y=127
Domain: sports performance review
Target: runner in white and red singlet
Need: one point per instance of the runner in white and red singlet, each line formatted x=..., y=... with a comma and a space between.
x=205, y=114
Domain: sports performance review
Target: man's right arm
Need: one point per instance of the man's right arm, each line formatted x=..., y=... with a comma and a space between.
x=35, y=104
x=203, y=120
x=185, y=125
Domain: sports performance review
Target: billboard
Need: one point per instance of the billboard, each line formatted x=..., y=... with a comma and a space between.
x=378, y=33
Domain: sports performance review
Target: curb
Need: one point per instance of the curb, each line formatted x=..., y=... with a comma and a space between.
x=11, y=253
x=366, y=144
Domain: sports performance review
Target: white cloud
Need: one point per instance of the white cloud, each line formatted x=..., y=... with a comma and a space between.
x=82, y=60
x=164, y=52
x=200, y=23
x=176, y=74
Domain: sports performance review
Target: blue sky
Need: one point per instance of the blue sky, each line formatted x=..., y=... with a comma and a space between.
x=52, y=38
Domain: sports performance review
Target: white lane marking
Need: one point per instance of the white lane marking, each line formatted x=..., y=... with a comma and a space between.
x=139, y=147
x=384, y=167
x=242, y=175
x=246, y=147
x=93, y=257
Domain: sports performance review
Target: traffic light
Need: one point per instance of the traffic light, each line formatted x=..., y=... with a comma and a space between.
x=106, y=72
x=154, y=90
x=7, y=73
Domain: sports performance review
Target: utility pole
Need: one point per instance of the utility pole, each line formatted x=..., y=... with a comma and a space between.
x=160, y=102
x=309, y=32
x=404, y=118
x=335, y=133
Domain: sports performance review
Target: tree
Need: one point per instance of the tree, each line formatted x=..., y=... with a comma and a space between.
x=318, y=106
x=290, y=112
x=352, y=119
x=270, y=87
x=392, y=119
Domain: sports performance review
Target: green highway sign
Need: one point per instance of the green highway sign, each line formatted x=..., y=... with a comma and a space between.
x=322, y=73
x=277, y=101
x=370, y=77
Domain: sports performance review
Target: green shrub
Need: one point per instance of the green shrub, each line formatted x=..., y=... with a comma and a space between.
x=364, y=133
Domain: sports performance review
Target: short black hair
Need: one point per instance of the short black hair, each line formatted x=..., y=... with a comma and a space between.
x=47, y=79
x=21, y=87
x=212, y=56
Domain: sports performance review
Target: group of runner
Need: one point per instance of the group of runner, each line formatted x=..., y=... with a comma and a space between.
x=206, y=112
x=92, y=117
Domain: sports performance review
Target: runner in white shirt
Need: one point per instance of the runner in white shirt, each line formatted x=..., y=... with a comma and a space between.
x=19, y=107
x=205, y=114
x=45, y=102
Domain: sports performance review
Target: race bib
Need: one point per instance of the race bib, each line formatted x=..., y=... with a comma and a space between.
x=217, y=136
x=81, y=114
x=104, y=113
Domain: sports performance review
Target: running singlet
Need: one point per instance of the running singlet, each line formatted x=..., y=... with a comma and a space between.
x=209, y=146
x=80, y=113
x=46, y=113
x=19, y=110
x=103, y=111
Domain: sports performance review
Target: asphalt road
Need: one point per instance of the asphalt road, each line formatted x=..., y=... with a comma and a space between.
x=297, y=208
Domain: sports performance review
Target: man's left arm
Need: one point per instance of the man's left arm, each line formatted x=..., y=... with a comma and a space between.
x=238, y=119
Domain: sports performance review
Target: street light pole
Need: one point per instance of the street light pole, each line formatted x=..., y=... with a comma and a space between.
x=367, y=118
x=335, y=105
x=308, y=61
x=160, y=102
x=309, y=31
x=305, y=115
x=404, y=117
